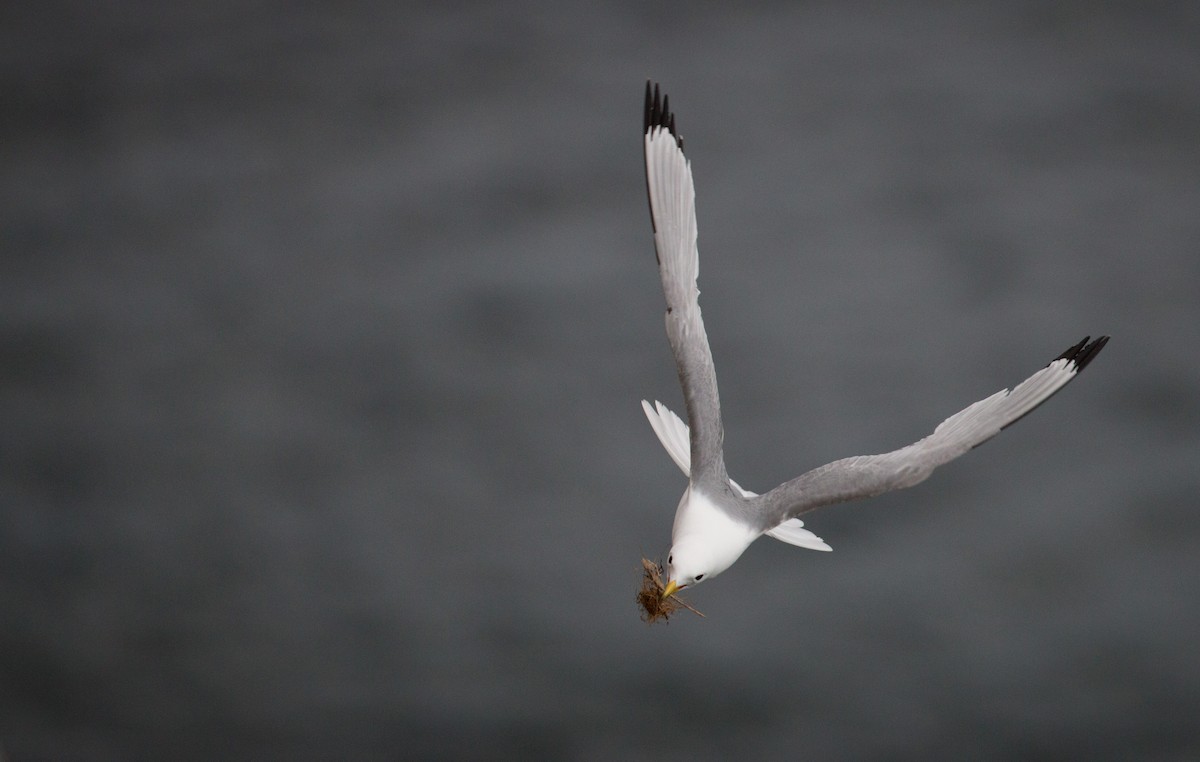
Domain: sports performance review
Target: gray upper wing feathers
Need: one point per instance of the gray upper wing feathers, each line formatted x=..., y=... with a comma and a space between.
x=673, y=215
x=867, y=475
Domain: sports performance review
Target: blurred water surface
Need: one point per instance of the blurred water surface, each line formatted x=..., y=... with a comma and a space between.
x=323, y=330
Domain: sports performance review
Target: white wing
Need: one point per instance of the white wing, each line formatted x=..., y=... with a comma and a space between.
x=673, y=433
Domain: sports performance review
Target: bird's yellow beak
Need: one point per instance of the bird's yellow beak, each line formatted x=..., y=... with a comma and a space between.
x=669, y=590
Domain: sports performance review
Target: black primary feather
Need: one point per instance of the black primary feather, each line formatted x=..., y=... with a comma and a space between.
x=1083, y=353
x=658, y=113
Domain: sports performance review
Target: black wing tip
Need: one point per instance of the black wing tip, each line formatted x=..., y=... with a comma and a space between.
x=1083, y=353
x=657, y=114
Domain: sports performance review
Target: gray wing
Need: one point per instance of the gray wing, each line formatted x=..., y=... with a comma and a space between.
x=673, y=216
x=868, y=475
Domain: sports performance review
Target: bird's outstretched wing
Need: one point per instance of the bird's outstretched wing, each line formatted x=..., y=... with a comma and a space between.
x=673, y=433
x=868, y=475
x=673, y=216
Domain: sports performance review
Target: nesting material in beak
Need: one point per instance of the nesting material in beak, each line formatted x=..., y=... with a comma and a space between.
x=656, y=599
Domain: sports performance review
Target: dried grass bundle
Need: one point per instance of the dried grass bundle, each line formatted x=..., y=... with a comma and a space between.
x=650, y=597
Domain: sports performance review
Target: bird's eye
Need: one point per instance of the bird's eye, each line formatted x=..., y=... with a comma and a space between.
x=670, y=559
x=699, y=577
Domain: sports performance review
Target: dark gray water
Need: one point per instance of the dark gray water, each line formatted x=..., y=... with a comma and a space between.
x=322, y=336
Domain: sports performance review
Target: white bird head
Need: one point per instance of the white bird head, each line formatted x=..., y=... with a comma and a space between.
x=689, y=563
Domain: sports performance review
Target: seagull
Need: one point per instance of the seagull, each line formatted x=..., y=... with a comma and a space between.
x=717, y=519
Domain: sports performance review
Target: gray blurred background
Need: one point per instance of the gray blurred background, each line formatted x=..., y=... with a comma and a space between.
x=323, y=331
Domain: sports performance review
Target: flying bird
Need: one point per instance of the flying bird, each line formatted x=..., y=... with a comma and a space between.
x=716, y=519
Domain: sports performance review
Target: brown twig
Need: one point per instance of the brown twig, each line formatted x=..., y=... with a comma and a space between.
x=650, y=596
